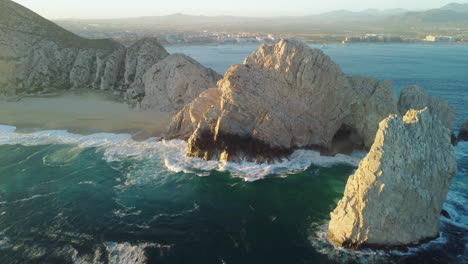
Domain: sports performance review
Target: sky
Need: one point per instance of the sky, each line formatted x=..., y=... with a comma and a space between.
x=57, y=9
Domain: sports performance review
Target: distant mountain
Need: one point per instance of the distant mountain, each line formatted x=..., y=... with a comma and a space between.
x=458, y=7
x=451, y=13
x=342, y=15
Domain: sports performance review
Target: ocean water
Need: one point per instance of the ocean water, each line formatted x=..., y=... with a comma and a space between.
x=105, y=198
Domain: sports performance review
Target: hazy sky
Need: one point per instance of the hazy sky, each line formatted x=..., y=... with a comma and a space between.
x=54, y=9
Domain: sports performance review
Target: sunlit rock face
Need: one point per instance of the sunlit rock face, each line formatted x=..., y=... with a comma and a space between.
x=186, y=121
x=284, y=96
x=463, y=134
x=174, y=82
x=414, y=97
x=37, y=55
x=395, y=197
x=375, y=101
x=140, y=57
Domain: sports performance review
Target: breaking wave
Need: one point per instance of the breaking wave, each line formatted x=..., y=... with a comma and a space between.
x=171, y=154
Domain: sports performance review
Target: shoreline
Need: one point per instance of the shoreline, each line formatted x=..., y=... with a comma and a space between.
x=324, y=43
x=82, y=112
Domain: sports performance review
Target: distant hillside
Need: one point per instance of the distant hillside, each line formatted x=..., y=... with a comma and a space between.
x=432, y=16
x=456, y=7
x=451, y=13
x=16, y=18
x=368, y=14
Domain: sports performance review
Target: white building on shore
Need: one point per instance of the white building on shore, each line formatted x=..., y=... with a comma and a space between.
x=432, y=38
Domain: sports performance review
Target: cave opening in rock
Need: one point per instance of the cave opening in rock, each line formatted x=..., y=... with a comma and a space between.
x=345, y=140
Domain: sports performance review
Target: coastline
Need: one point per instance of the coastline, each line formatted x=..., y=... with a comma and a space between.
x=82, y=112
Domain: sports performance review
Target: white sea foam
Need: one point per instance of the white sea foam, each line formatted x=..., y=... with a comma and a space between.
x=123, y=253
x=171, y=154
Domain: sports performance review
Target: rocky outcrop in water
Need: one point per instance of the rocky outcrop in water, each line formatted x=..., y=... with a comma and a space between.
x=395, y=197
x=172, y=83
x=463, y=133
x=186, y=121
x=288, y=96
x=375, y=101
x=414, y=97
x=37, y=55
x=283, y=97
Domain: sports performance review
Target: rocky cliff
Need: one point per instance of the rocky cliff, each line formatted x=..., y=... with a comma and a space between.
x=38, y=55
x=414, y=97
x=172, y=83
x=283, y=97
x=395, y=197
x=374, y=101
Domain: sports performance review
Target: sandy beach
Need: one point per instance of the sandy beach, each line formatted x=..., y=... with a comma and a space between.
x=82, y=112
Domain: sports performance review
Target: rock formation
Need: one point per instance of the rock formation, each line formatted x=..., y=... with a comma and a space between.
x=172, y=83
x=375, y=101
x=140, y=57
x=414, y=97
x=284, y=96
x=38, y=55
x=463, y=134
x=395, y=197
x=186, y=121
x=289, y=96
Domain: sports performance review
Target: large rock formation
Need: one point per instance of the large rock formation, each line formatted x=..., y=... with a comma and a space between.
x=414, y=97
x=172, y=83
x=375, y=101
x=463, y=133
x=36, y=55
x=186, y=121
x=283, y=97
x=140, y=57
x=395, y=197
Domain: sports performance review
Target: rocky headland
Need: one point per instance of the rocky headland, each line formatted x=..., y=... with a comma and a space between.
x=37, y=56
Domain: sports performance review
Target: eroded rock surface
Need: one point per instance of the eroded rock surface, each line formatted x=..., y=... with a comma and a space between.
x=414, y=97
x=375, y=101
x=37, y=55
x=284, y=96
x=186, y=121
x=174, y=82
x=463, y=133
x=395, y=197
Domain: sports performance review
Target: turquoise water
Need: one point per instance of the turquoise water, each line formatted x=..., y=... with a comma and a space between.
x=104, y=198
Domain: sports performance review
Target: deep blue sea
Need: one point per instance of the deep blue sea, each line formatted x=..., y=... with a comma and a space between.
x=106, y=198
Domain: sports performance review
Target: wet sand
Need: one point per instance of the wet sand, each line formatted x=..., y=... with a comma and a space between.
x=82, y=112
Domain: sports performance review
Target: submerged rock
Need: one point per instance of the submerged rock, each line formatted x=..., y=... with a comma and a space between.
x=463, y=134
x=174, y=82
x=284, y=96
x=395, y=197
